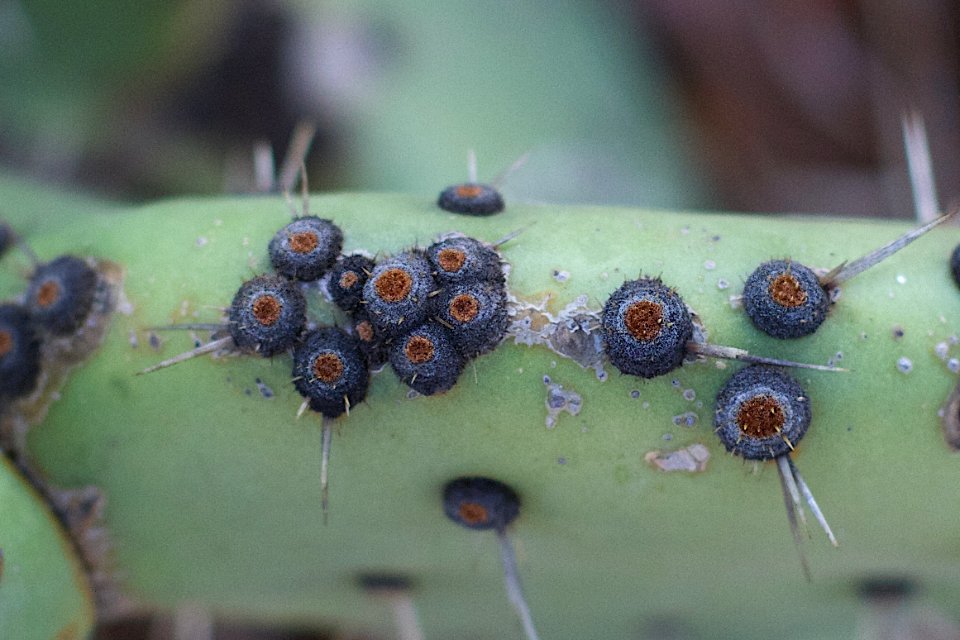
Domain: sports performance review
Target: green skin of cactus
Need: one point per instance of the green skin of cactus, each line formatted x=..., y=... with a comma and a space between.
x=44, y=592
x=213, y=489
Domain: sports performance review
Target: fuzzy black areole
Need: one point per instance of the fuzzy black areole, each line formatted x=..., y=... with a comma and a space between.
x=267, y=315
x=347, y=278
x=480, y=503
x=372, y=344
x=476, y=315
x=19, y=353
x=955, y=264
x=385, y=583
x=471, y=199
x=460, y=260
x=6, y=238
x=646, y=327
x=426, y=359
x=61, y=294
x=330, y=371
x=305, y=248
x=785, y=299
x=396, y=295
x=761, y=413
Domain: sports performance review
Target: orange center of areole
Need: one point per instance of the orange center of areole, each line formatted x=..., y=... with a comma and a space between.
x=761, y=417
x=644, y=320
x=469, y=190
x=393, y=285
x=328, y=368
x=304, y=241
x=451, y=260
x=348, y=279
x=48, y=293
x=787, y=291
x=365, y=331
x=418, y=349
x=6, y=343
x=473, y=513
x=464, y=308
x=266, y=310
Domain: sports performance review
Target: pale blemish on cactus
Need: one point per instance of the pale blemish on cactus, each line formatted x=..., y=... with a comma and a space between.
x=691, y=459
x=951, y=419
x=572, y=333
x=560, y=400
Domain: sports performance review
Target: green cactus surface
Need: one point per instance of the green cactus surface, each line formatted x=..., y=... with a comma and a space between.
x=212, y=487
x=44, y=592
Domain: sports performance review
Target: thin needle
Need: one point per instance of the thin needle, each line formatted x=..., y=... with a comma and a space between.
x=325, y=464
x=503, y=175
x=812, y=503
x=732, y=353
x=264, y=167
x=514, y=591
x=296, y=154
x=192, y=623
x=405, y=616
x=189, y=326
x=304, y=189
x=510, y=236
x=920, y=166
x=293, y=208
x=303, y=407
x=207, y=348
x=846, y=271
x=396, y=591
x=784, y=471
x=472, y=166
x=783, y=462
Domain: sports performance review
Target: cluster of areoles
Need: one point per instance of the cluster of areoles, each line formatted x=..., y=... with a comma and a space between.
x=427, y=311
x=268, y=316
x=435, y=309
x=761, y=412
x=58, y=300
x=648, y=332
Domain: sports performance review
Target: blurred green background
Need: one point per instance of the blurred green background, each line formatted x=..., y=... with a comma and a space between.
x=735, y=105
x=158, y=98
